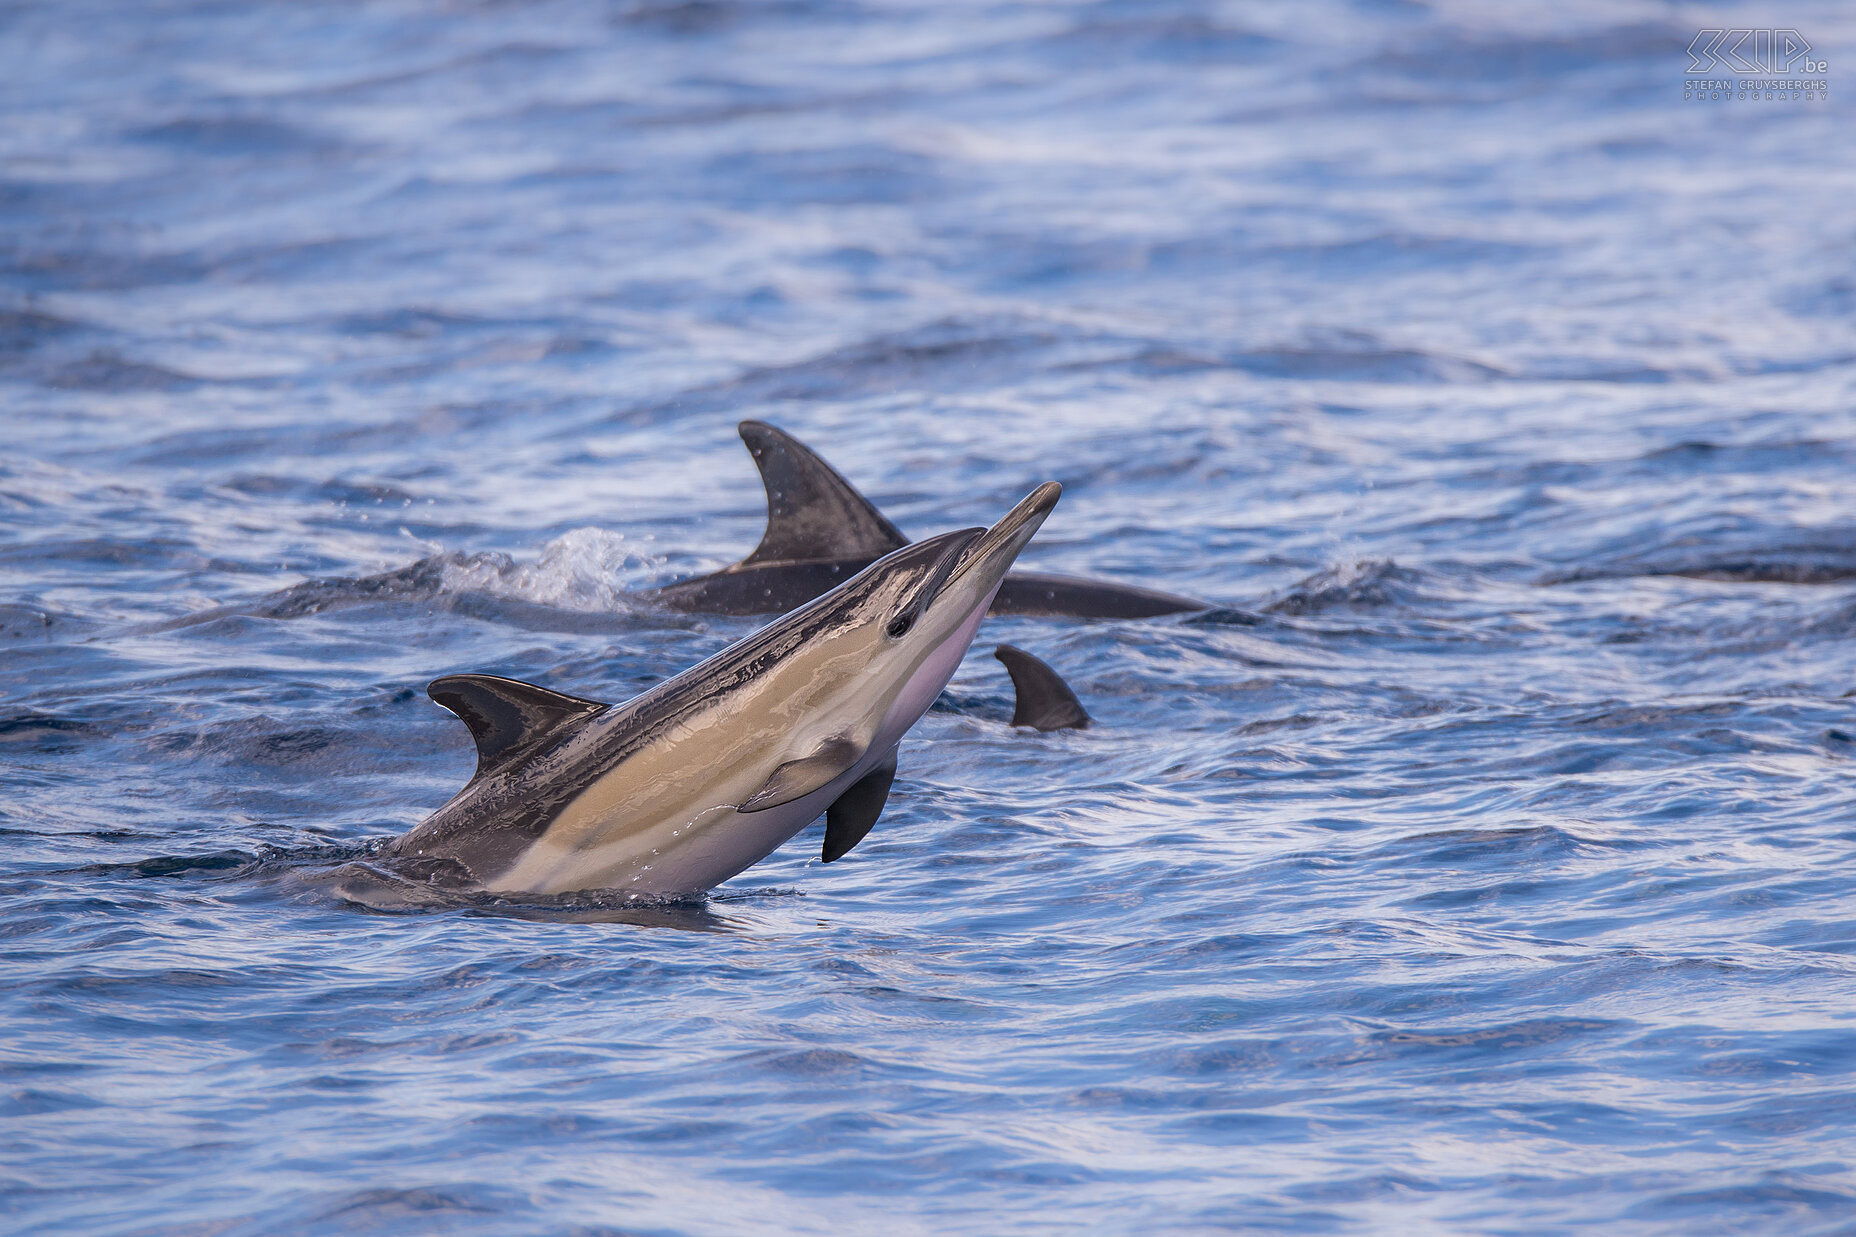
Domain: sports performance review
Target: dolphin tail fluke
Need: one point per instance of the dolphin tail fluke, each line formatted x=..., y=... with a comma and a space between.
x=812, y=512
x=848, y=820
x=1045, y=701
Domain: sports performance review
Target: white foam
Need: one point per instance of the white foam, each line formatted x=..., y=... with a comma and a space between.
x=587, y=569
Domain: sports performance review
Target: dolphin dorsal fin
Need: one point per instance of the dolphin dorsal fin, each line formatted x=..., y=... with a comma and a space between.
x=1045, y=701
x=507, y=718
x=812, y=512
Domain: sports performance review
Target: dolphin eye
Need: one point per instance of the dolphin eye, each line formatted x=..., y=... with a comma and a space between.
x=899, y=626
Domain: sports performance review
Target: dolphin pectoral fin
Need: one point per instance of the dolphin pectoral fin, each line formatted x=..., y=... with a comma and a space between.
x=812, y=512
x=506, y=717
x=798, y=778
x=856, y=810
x=1045, y=701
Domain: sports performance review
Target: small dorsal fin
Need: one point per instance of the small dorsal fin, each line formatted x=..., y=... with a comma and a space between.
x=812, y=512
x=507, y=718
x=1045, y=701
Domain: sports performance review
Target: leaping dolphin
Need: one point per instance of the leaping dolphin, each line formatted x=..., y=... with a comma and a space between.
x=821, y=531
x=705, y=774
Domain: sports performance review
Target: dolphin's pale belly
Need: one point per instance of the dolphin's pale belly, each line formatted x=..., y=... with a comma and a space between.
x=691, y=849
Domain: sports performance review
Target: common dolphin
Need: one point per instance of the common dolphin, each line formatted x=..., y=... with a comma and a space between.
x=705, y=774
x=821, y=531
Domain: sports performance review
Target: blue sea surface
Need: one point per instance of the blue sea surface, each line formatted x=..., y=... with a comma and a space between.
x=1484, y=861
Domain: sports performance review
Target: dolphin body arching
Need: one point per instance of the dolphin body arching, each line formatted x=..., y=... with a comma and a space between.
x=821, y=531
x=707, y=773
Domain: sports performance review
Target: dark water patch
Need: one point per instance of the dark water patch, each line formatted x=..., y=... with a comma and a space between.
x=1826, y=558
x=1295, y=721
x=261, y=264
x=1368, y=584
x=44, y=732
x=1770, y=1199
x=1480, y=848
x=34, y=1102
x=688, y=17
x=105, y=552
x=214, y=864
x=1362, y=364
x=824, y=1064
x=231, y=136
x=1736, y=458
x=370, y=1210
x=1609, y=370
x=1227, y=616
x=1730, y=548
x=37, y=268
x=1656, y=721
x=1175, y=38
x=1784, y=566
x=411, y=323
x=949, y=355
x=1834, y=297
x=697, y=18
x=1506, y=1038
x=1399, y=254
x=267, y=742
x=106, y=371
x=865, y=175
x=1526, y=64
x=263, y=862
x=339, y=492
x=25, y=330
x=1374, y=1188
x=990, y=706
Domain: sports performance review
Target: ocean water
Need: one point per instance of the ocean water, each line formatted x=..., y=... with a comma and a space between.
x=1484, y=861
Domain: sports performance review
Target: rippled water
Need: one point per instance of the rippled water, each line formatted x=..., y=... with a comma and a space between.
x=1482, y=863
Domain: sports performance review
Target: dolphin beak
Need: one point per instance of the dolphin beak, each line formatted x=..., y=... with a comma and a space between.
x=994, y=550
x=956, y=544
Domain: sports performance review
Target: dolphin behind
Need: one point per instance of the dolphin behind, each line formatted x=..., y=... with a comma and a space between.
x=821, y=531
x=705, y=774
x=1043, y=700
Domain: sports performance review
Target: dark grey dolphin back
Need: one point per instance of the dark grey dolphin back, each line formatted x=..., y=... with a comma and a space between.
x=812, y=512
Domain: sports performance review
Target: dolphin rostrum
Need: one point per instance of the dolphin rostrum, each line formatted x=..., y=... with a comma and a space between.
x=821, y=531
x=705, y=774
